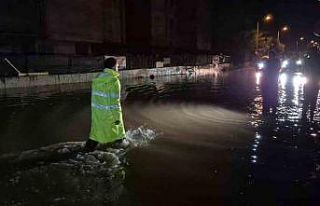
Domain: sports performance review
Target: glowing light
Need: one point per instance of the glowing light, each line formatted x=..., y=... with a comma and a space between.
x=284, y=64
x=299, y=62
x=283, y=79
x=260, y=65
x=285, y=28
x=258, y=77
x=258, y=136
x=268, y=18
x=299, y=80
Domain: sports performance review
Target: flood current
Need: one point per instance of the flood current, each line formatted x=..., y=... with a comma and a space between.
x=194, y=140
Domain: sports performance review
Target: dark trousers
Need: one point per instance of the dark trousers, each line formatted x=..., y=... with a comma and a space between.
x=311, y=90
x=269, y=89
x=90, y=145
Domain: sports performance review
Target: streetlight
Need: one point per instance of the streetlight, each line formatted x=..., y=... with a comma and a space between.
x=267, y=18
x=283, y=29
x=298, y=43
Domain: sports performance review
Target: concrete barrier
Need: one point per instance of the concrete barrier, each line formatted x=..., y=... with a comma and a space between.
x=45, y=80
x=33, y=81
x=142, y=73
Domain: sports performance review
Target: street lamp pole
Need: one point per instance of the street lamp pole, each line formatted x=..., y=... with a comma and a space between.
x=257, y=37
x=267, y=18
x=284, y=29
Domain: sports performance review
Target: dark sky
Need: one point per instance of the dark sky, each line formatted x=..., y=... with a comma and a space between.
x=233, y=17
x=301, y=15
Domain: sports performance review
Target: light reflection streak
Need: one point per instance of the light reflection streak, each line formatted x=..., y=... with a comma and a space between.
x=287, y=112
x=258, y=78
x=283, y=79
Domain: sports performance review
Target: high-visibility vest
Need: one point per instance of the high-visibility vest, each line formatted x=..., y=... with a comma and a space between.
x=107, y=123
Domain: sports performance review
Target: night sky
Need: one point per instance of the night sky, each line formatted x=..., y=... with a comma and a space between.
x=301, y=15
x=234, y=17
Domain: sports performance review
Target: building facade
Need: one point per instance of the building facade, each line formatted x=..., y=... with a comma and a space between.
x=145, y=31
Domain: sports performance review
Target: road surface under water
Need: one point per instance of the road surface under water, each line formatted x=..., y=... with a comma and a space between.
x=213, y=144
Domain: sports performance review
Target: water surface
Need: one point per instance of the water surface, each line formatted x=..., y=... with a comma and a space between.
x=214, y=146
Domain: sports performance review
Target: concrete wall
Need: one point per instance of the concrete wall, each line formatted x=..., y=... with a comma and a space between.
x=54, y=64
x=142, y=73
x=33, y=81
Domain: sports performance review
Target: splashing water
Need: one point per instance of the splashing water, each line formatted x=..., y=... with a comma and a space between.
x=140, y=136
x=60, y=174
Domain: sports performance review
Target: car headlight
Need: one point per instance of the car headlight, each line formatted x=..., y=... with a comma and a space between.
x=284, y=64
x=260, y=65
x=299, y=62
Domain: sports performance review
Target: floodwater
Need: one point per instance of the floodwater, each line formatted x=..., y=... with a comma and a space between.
x=210, y=145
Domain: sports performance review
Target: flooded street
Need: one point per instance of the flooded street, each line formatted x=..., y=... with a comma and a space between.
x=212, y=145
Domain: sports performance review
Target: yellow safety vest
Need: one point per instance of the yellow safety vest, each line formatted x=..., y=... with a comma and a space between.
x=107, y=122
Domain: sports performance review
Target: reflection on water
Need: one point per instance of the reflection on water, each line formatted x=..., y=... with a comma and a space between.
x=214, y=144
x=37, y=117
x=285, y=150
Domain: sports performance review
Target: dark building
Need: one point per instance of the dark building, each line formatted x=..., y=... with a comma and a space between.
x=60, y=27
x=69, y=35
x=20, y=27
x=138, y=23
x=204, y=27
x=181, y=24
x=164, y=23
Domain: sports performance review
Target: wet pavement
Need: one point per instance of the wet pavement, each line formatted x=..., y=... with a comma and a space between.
x=210, y=144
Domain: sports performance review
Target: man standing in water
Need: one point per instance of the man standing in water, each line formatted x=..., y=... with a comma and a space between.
x=107, y=123
x=269, y=83
x=311, y=88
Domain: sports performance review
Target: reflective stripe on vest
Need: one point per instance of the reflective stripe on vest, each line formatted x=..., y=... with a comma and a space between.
x=103, y=107
x=101, y=94
x=102, y=75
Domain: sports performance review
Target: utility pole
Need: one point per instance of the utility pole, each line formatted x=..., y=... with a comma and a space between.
x=257, y=37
